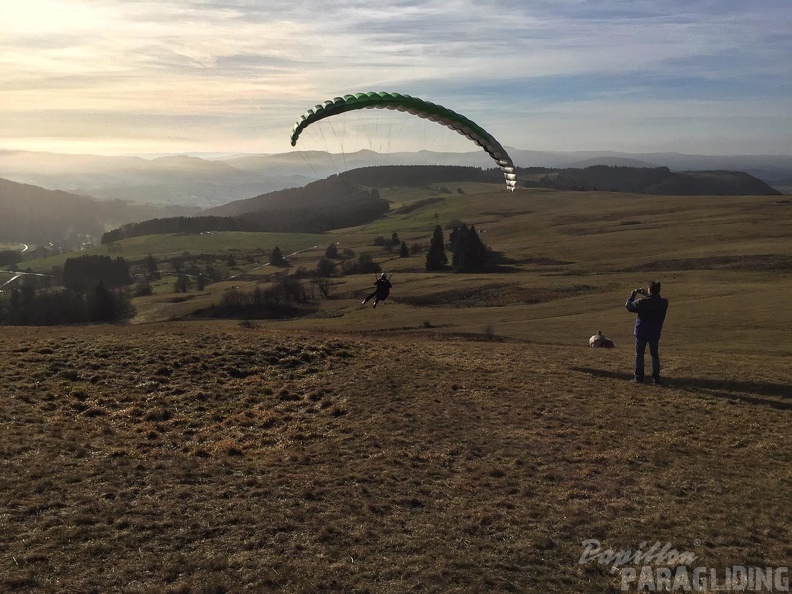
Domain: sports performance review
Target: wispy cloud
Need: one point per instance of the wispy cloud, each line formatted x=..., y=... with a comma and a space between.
x=144, y=76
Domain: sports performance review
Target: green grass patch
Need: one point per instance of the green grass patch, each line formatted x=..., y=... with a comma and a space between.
x=165, y=246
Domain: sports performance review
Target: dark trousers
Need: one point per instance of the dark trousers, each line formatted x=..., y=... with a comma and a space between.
x=654, y=351
x=379, y=297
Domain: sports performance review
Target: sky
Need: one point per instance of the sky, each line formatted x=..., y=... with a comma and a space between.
x=111, y=77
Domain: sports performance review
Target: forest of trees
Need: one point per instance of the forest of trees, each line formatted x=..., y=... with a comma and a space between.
x=650, y=180
x=179, y=225
x=94, y=290
x=10, y=257
x=28, y=306
x=84, y=272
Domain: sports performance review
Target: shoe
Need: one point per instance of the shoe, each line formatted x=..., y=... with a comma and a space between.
x=636, y=380
x=363, y=302
x=375, y=305
x=656, y=381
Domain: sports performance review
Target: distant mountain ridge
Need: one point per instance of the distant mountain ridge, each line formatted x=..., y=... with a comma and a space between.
x=169, y=180
x=206, y=183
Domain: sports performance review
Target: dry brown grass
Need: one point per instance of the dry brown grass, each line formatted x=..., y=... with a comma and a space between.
x=573, y=258
x=212, y=458
x=462, y=437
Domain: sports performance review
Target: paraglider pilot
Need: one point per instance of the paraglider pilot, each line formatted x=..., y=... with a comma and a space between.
x=382, y=287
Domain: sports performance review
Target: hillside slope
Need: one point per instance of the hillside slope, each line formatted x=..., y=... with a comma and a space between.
x=318, y=207
x=209, y=458
x=656, y=180
x=34, y=215
x=336, y=189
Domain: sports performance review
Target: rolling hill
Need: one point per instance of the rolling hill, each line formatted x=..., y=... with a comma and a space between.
x=656, y=180
x=335, y=190
x=34, y=215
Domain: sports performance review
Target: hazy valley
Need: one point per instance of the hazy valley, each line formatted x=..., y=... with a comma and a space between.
x=204, y=182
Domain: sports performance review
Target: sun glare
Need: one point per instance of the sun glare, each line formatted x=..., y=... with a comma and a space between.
x=47, y=16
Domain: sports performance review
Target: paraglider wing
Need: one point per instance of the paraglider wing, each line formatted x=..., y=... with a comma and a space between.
x=414, y=106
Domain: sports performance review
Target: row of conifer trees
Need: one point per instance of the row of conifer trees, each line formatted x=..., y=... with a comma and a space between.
x=468, y=252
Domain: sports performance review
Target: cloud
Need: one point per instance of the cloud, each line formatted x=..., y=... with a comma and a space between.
x=195, y=75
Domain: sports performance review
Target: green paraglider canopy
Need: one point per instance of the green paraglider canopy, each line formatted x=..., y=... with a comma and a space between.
x=414, y=106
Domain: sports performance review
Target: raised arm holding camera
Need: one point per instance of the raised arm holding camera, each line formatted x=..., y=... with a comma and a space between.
x=651, y=310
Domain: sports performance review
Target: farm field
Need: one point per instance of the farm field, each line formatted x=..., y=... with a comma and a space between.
x=462, y=437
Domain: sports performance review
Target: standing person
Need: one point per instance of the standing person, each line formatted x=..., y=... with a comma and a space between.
x=651, y=310
x=382, y=287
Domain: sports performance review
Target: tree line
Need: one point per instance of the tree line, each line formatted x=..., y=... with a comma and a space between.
x=191, y=225
x=94, y=289
x=468, y=251
x=27, y=306
x=647, y=180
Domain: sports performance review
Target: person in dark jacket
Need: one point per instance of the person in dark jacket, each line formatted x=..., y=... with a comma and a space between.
x=382, y=287
x=651, y=310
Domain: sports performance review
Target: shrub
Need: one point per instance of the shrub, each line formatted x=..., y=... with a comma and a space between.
x=325, y=267
x=364, y=264
x=276, y=257
x=277, y=300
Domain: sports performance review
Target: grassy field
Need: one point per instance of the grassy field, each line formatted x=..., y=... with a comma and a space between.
x=174, y=244
x=571, y=260
x=462, y=437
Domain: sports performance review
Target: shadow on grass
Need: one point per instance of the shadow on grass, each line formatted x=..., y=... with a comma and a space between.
x=742, y=391
x=507, y=264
